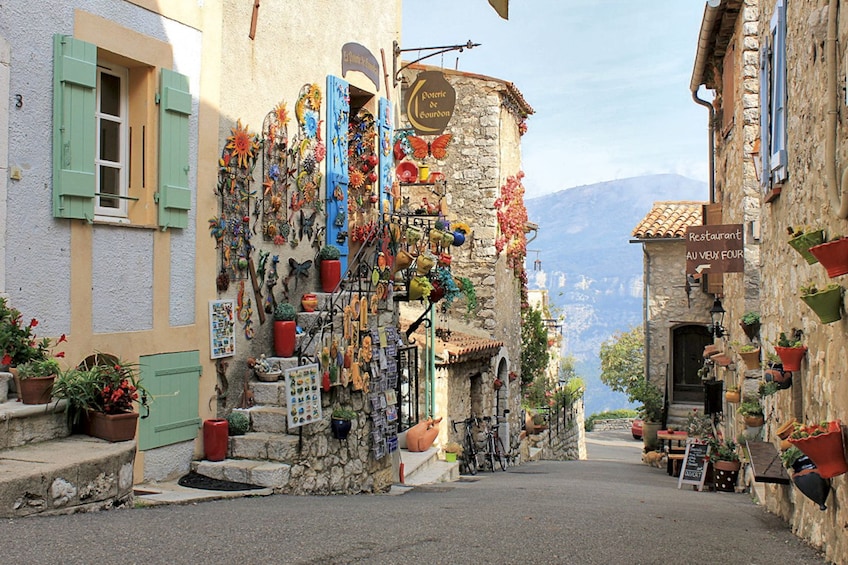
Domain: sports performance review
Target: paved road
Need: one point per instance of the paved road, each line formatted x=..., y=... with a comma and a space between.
x=611, y=509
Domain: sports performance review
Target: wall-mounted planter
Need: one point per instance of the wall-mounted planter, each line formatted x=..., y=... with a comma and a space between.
x=827, y=304
x=826, y=450
x=803, y=242
x=751, y=358
x=791, y=357
x=833, y=256
x=783, y=379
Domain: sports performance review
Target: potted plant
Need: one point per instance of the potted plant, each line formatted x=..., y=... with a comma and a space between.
x=726, y=463
x=452, y=450
x=330, y=266
x=801, y=239
x=750, y=324
x=285, y=329
x=825, y=301
x=790, y=351
x=238, y=423
x=341, y=421
x=750, y=354
x=822, y=443
x=733, y=395
x=35, y=380
x=651, y=411
x=806, y=476
x=752, y=412
x=101, y=396
x=833, y=255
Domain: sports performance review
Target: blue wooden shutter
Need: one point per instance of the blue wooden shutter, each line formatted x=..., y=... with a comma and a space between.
x=172, y=381
x=74, y=82
x=174, y=195
x=385, y=134
x=338, y=116
x=778, y=93
x=765, y=112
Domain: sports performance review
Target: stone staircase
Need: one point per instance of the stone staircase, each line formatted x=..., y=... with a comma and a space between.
x=424, y=468
x=45, y=470
x=679, y=412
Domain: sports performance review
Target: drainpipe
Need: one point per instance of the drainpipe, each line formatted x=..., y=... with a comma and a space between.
x=838, y=196
x=711, y=148
x=431, y=364
x=647, y=322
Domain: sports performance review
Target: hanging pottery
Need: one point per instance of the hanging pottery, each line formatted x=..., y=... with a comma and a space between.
x=827, y=303
x=458, y=238
x=791, y=356
x=833, y=256
x=808, y=480
x=826, y=450
x=803, y=241
x=424, y=263
x=436, y=236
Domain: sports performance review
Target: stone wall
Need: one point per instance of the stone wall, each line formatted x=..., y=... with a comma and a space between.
x=614, y=424
x=565, y=438
x=820, y=389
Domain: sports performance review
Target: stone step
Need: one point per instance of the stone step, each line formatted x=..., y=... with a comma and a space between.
x=267, y=418
x=269, y=394
x=25, y=424
x=62, y=476
x=254, y=472
x=265, y=446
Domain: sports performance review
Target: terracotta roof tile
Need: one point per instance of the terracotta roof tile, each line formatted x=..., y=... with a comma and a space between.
x=669, y=220
x=458, y=347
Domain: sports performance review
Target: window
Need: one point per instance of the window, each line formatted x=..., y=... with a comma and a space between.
x=773, y=101
x=106, y=163
x=110, y=161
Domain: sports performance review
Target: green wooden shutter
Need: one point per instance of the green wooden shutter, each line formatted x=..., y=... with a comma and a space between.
x=172, y=381
x=174, y=195
x=74, y=82
x=387, y=169
x=338, y=116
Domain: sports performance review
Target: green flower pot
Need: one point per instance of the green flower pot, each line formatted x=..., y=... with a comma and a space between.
x=826, y=304
x=803, y=242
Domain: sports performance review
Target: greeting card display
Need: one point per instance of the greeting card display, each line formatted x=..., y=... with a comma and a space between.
x=222, y=333
x=303, y=395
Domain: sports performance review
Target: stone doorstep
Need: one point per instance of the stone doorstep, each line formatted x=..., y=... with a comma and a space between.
x=426, y=468
x=414, y=462
x=266, y=474
x=65, y=475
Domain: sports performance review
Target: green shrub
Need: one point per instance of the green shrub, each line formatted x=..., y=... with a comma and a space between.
x=285, y=312
x=238, y=423
x=589, y=424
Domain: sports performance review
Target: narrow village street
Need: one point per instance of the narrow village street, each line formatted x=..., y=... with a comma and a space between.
x=609, y=509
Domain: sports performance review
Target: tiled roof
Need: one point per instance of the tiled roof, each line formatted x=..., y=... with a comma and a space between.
x=669, y=220
x=458, y=347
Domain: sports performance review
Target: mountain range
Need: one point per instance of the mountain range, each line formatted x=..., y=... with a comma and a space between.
x=592, y=272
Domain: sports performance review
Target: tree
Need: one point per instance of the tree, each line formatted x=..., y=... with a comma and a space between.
x=623, y=370
x=534, y=345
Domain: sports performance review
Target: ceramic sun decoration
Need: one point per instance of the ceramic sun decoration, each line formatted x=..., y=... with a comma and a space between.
x=277, y=176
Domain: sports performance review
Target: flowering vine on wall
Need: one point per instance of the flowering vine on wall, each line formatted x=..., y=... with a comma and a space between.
x=512, y=220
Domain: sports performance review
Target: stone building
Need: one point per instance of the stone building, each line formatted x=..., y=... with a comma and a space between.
x=776, y=69
x=482, y=158
x=676, y=309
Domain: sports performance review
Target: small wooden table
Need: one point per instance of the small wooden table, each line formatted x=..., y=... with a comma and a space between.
x=674, y=453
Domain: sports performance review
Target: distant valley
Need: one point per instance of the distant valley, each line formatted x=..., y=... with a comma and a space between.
x=592, y=273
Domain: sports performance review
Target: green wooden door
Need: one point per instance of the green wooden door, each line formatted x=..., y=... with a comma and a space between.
x=172, y=381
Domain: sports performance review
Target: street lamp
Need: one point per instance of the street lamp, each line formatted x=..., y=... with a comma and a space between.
x=717, y=316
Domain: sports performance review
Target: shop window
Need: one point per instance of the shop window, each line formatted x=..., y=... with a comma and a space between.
x=106, y=163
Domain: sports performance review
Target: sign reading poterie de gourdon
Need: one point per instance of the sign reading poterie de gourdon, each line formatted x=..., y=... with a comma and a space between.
x=714, y=249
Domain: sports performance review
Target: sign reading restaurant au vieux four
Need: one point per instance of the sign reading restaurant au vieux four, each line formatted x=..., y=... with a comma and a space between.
x=714, y=249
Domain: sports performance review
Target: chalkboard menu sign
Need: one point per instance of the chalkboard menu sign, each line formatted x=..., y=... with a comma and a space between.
x=695, y=463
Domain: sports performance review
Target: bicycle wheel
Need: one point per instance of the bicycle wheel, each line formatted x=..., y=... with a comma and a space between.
x=500, y=453
x=490, y=452
x=470, y=457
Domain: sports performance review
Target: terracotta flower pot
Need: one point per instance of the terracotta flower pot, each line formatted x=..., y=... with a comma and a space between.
x=833, y=256
x=35, y=390
x=751, y=358
x=791, y=357
x=784, y=431
x=424, y=264
x=754, y=421
x=733, y=396
x=111, y=427
x=826, y=451
x=309, y=301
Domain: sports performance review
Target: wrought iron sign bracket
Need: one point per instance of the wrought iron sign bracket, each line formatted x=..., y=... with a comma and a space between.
x=436, y=51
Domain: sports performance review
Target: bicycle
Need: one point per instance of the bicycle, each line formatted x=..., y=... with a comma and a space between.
x=468, y=463
x=494, y=446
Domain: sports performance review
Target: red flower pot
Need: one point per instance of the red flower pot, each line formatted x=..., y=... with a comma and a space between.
x=331, y=274
x=791, y=357
x=826, y=451
x=111, y=427
x=215, y=438
x=284, y=337
x=833, y=255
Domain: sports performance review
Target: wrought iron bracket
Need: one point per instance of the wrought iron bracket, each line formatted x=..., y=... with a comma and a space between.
x=436, y=51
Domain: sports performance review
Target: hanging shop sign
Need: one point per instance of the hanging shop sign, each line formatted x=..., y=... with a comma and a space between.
x=430, y=102
x=714, y=249
x=356, y=57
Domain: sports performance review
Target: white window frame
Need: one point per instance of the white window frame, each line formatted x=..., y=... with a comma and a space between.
x=107, y=213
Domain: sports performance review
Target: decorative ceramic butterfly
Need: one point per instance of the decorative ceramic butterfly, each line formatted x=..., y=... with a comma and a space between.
x=307, y=224
x=297, y=270
x=437, y=148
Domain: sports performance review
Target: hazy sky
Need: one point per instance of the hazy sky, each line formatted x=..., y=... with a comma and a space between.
x=608, y=79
